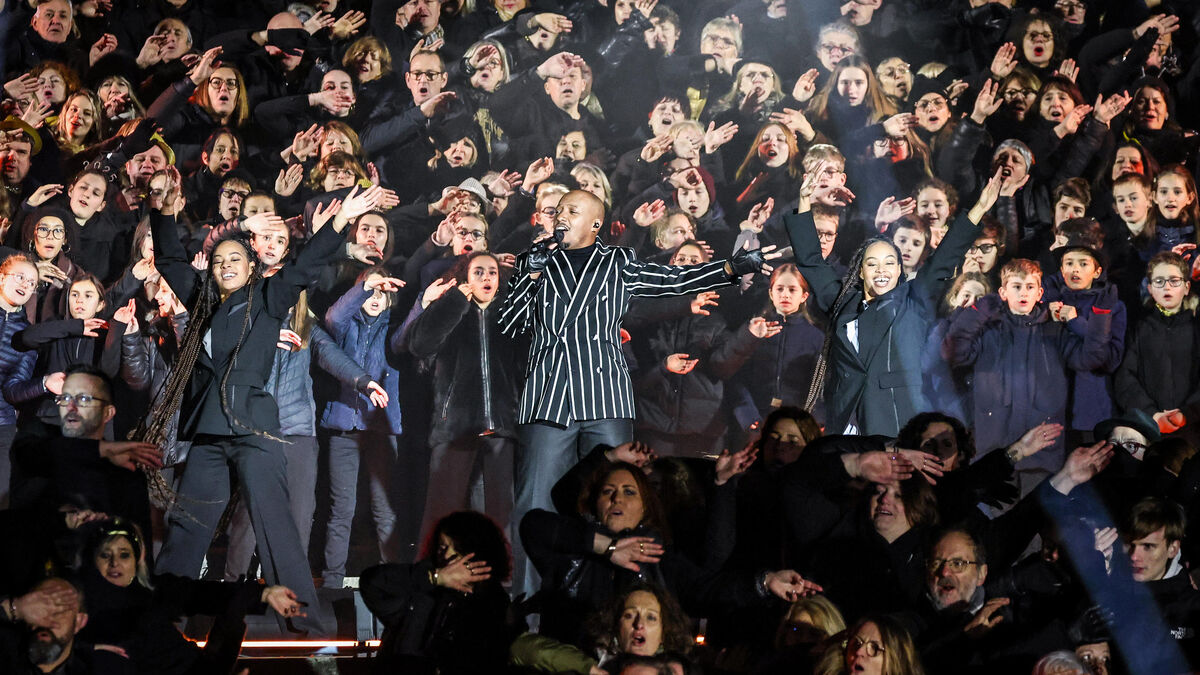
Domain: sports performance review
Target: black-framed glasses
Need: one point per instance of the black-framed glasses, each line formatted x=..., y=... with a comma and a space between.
x=955, y=565
x=982, y=248
x=81, y=400
x=470, y=234
x=230, y=83
x=427, y=74
x=230, y=192
x=836, y=49
x=1011, y=94
x=872, y=648
x=51, y=232
x=826, y=236
x=1161, y=282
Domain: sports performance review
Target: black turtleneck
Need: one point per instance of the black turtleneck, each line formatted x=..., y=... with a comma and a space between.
x=578, y=258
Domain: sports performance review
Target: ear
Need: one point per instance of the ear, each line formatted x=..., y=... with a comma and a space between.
x=110, y=411
x=81, y=620
x=983, y=570
x=1173, y=549
x=203, y=157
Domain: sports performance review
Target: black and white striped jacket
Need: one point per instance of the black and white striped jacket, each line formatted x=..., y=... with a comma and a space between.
x=576, y=369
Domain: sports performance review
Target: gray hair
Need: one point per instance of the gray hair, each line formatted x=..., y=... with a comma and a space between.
x=1061, y=662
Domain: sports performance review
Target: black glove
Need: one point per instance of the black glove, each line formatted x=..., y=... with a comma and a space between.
x=138, y=140
x=747, y=262
x=538, y=256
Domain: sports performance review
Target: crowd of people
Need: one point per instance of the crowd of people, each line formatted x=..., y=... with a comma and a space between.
x=661, y=336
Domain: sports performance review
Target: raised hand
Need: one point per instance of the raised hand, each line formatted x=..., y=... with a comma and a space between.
x=349, y=24
x=987, y=102
x=732, y=464
x=436, y=290
x=307, y=143
x=879, y=467
x=1004, y=62
x=438, y=103
x=1106, y=109
x=1036, y=439
x=898, y=125
x=200, y=261
x=1068, y=69
x=264, y=223
x=1082, y=465
x=987, y=618
x=36, y=112
x=151, y=52
x=927, y=464
x=125, y=314
x=384, y=284
x=1071, y=122
x=806, y=86
x=716, y=136
x=92, y=326
x=289, y=179
x=318, y=21
x=703, y=301
x=988, y=195
x=655, y=148
x=324, y=213
x=537, y=173
x=106, y=45
x=758, y=216
x=795, y=121
x=22, y=87
x=203, y=69
x=649, y=213
x=890, y=210
x=44, y=193
x=554, y=23
x=559, y=65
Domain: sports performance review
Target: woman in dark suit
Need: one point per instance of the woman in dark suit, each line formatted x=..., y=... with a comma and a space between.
x=226, y=411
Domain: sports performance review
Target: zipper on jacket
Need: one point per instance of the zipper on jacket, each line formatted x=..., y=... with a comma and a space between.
x=485, y=368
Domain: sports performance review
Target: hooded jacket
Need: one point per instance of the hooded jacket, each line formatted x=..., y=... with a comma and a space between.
x=364, y=339
x=1161, y=370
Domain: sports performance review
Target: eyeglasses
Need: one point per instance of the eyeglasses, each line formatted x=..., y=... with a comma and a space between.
x=1132, y=447
x=836, y=49
x=427, y=74
x=826, y=236
x=240, y=194
x=80, y=400
x=1010, y=94
x=955, y=565
x=933, y=104
x=1090, y=659
x=230, y=84
x=549, y=212
x=51, y=232
x=757, y=74
x=718, y=40
x=685, y=260
x=340, y=173
x=873, y=647
x=23, y=280
x=1045, y=35
x=1161, y=282
x=897, y=71
x=470, y=234
x=1070, y=7
x=982, y=248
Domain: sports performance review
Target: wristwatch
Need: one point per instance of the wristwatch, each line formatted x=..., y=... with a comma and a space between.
x=612, y=548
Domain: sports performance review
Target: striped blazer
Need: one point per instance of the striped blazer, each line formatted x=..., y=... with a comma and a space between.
x=576, y=369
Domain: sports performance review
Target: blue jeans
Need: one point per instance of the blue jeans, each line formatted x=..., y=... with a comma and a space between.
x=544, y=454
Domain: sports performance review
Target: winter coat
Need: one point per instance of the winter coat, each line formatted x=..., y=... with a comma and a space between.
x=364, y=340
x=145, y=364
x=876, y=385
x=669, y=403
x=16, y=368
x=431, y=629
x=1092, y=391
x=478, y=371
x=1020, y=363
x=1161, y=370
x=291, y=380
x=779, y=369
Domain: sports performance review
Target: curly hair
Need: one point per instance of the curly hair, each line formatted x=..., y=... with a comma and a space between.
x=652, y=511
x=604, y=625
x=910, y=435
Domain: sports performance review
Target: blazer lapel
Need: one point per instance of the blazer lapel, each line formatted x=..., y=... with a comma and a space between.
x=561, y=276
x=589, y=283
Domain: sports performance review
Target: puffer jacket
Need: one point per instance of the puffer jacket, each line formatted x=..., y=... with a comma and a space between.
x=291, y=380
x=1020, y=365
x=16, y=368
x=1092, y=390
x=364, y=340
x=145, y=363
x=478, y=371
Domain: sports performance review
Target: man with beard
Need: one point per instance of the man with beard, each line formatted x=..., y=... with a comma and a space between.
x=37, y=633
x=79, y=463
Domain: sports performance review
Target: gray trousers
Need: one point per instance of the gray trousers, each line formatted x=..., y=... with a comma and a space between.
x=378, y=457
x=545, y=453
x=261, y=467
x=455, y=469
x=302, y=481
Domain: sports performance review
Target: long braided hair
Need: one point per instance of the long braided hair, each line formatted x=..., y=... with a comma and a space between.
x=155, y=427
x=852, y=283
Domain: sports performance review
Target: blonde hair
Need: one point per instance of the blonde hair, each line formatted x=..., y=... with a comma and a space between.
x=365, y=45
